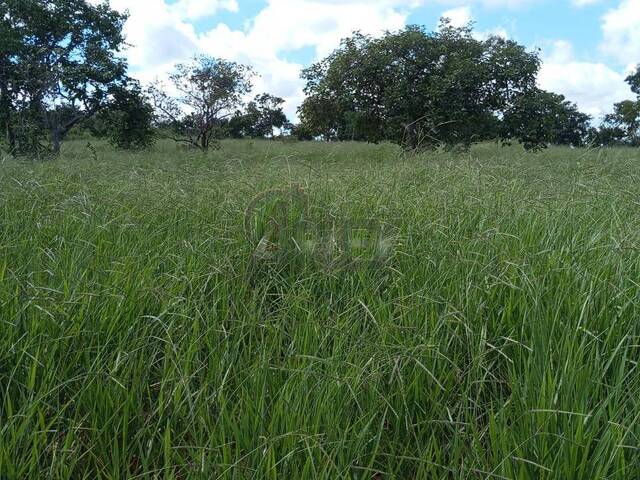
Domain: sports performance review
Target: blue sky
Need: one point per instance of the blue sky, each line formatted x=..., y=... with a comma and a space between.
x=588, y=46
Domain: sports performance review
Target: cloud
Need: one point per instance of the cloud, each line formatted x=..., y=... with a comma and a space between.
x=494, y=4
x=154, y=33
x=459, y=17
x=462, y=16
x=292, y=24
x=584, y=3
x=194, y=9
x=287, y=25
x=161, y=34
x=497, y=32
x=621, y=32
x=594, y=87
x=509, y=4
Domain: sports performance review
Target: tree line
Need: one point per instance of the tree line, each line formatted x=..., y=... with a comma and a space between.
x=448, y=88
x=62, y=69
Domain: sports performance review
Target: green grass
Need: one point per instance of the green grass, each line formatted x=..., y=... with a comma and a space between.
x=141, y=336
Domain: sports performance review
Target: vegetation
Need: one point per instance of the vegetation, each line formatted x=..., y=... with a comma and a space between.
x=448, y=88
x=262, y=116
x=59, y=65
x=209, y=90
x=622, y=127
x=541, y=118
x=313, y=310
x=128, y=121
x=142, y=336
x=444, y=87
x=60, y=70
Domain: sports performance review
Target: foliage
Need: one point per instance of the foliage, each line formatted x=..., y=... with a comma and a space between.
x=625, y=119
x=261, y=116
x=301, y=131
x=634, y=81
x=607, y=135
x=58, y=66
x=622, y=127
x=499, y=341
x=540, y=118
x=417, y=88
x=128, y=119
x=209, y=91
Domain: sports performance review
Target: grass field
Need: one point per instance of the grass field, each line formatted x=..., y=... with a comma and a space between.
x=495, y=334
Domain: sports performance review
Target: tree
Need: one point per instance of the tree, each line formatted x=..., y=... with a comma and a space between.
x=634, y=81
x=622, y=127
x=262, y=115
x=209, y=92
x=59, y=65
x=540, y=118
x=301, y=132
x=416, y=88
x=607, y=135
x=128, y=119
x=625, y=121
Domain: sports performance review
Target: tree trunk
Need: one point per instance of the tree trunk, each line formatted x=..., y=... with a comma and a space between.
x=410, y=140
x=5, y=115
x=56, y=140
x=58, y=133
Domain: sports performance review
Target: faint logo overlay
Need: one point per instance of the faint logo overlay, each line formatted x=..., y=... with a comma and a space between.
x=284, y=225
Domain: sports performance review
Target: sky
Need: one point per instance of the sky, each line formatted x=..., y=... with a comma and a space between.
x=588, y=47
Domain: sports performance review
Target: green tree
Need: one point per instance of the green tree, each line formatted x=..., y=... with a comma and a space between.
x=607, y=135
x=262, y=115
x=634, y=81
x=209, y=90
x=417, y=88
x=623, y=125
x=59, y=65
x=625, y=119
x=301, y=132
x=540, y=118
x=128, y=119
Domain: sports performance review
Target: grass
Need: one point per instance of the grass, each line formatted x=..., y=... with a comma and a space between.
x=142, y=336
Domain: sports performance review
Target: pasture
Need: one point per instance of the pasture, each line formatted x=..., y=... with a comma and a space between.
x=493, y=333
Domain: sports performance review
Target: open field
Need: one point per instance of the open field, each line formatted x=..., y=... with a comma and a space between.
x=497, y=336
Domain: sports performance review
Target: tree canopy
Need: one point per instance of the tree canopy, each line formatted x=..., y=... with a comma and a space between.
x=260, y=118
x=622, y=126
x=209, y=90
x=417, y=88
x=634, y=81
x=59, y=64
x=128, y=119
x=540, y=118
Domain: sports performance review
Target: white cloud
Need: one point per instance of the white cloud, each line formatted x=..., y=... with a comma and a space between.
x=161, y=34
x=459, y=17
x=495, y=4
x=293, y=24
x=510, y=4
x=194, y=9
x=584, y=3
x=155, y=34
x=498, y=32
x=287, y=25
x=621, y=32
x=594, y=87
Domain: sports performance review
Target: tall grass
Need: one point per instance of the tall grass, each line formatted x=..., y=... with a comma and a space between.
x=140, y=337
